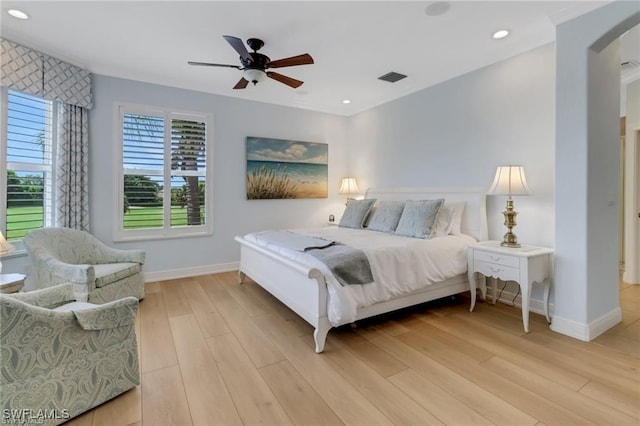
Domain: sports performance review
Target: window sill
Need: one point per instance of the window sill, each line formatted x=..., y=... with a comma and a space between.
x=14, y=254
x=120, y=238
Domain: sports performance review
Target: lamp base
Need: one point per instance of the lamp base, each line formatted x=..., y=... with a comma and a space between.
x=510, y=239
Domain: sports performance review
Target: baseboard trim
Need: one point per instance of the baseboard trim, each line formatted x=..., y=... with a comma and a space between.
x=190, y=272
x=586, y=331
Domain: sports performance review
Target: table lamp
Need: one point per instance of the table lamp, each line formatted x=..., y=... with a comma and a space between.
x=5, y=247
x=509, y=180
x=349, y=187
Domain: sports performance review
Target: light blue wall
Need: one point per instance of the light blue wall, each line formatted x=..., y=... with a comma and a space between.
x=453, y=134
x=234, y=120
x=457, y=132
x=588, y=169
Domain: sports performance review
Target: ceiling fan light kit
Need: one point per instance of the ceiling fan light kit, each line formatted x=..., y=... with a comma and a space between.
x=254, y=65
x=254, y=76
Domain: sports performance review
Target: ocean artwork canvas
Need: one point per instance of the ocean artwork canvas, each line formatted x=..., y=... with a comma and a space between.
x=285, y=169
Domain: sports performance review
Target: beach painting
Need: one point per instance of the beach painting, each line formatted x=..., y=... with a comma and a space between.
x=281, y=169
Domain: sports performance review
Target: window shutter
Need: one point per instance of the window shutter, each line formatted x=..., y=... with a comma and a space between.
x=143, y=160
x=188, y=172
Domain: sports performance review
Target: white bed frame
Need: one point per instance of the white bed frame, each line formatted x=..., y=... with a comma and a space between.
x=304, y=289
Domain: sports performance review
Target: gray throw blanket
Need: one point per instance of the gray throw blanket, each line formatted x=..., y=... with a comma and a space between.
x=349, y=265
x=293, y=241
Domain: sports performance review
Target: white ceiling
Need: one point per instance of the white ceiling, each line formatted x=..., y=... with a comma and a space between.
x=352, y=43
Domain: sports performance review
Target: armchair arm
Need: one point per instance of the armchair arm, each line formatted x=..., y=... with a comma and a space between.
x=47, y=298
x=114, y=314
x=108, y=254
x=67, y=272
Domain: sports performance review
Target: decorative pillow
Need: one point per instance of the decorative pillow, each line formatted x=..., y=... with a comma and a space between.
x=455, y=228
x=355, y=213
x=443, y=221
x=369, y=217
x=386, y=216
x=449, y=220
x=418, y=218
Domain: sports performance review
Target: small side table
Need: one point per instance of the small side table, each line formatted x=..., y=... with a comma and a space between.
x=524, y=265
x=11, y=283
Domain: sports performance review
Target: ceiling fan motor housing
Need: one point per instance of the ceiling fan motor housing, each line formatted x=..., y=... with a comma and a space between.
x=258, y=61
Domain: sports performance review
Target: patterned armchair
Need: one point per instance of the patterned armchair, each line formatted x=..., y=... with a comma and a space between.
x=60, y=359
x=99, y=273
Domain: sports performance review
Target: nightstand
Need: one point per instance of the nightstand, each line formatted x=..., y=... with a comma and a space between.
x=524, y=265
x=11, y=283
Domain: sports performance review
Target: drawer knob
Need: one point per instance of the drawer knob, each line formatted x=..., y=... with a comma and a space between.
x=495, y=271
x=496, y=258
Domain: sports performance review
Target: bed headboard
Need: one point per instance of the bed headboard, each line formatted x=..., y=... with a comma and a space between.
x=474, y=217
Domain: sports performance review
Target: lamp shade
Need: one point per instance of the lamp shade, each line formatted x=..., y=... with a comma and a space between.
x=509, y=180
x=5, y=247
x=349, y=186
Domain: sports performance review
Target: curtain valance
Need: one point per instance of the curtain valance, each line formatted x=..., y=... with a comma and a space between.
x=33, y=72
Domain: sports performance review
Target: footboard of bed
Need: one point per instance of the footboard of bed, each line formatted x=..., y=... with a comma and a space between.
x=301, y=288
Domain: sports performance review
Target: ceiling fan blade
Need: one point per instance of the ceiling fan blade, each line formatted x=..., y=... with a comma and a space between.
x=238, y=45
x=304, y=59
x=241, y=84
x=208, y=64
x=292, y=82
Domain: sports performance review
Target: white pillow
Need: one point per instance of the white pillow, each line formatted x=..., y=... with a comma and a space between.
x=443, y=221
x=455, y=227
x=449, y=220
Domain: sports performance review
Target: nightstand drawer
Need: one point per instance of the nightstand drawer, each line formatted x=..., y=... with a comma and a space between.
x=497, y=258
x=489, y=269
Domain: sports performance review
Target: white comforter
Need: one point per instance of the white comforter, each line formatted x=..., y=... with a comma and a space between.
x=399, y=265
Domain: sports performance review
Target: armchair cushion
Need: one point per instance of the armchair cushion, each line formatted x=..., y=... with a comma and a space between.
x=108, y=273
x=103, y=317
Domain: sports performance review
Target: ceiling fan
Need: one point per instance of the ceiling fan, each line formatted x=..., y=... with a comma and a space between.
x=254, y=65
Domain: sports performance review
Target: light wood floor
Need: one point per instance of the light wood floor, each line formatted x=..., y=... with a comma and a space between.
x=214, y=352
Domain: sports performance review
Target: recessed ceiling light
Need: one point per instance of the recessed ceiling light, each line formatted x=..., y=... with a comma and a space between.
x=346, y=101
x=500, y=34
x=18, y=14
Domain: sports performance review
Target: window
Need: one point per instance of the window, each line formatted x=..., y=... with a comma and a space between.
x=29, y=165
x=165, y=182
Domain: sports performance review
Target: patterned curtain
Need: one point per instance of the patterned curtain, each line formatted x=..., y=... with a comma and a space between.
x=72, y=182
x=33, y=72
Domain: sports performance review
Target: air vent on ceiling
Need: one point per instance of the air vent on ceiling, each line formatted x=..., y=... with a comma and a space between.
x=627, y=65
x=392, y=77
